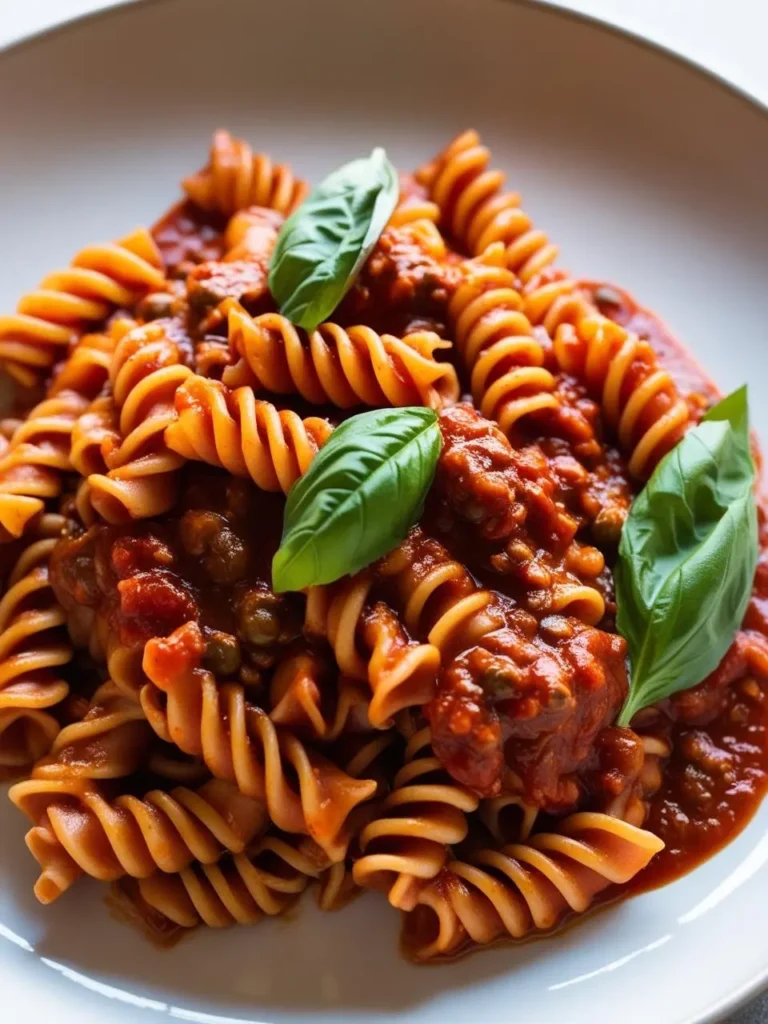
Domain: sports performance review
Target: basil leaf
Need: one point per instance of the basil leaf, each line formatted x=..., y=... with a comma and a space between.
x=324, y=243
x=364, y=490
x=687, y=558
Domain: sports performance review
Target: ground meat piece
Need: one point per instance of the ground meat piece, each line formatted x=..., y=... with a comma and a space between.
x=152, y=604
x=252, y=234
x=73, y=571
x=620, y=757
x=211, y=283
x=504, y=491
x=405, y=284
x=532, y=706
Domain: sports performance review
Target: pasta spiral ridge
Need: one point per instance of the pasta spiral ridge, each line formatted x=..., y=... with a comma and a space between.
x=478, y=213
x=77, y=830
x=147, y=369
x=238, y=890
x=638, y=398
x=100, y=279
x=530, y=886
x=247, y=437
x=87, y=367
x=494, y=336
x=33, y=466
x=440, y=600
x=236, y=177
x=344, y=366
x=238, y=742
x=33, y=647
x=406, y=845
x=400, y=673
x=110, y=741
x=552, y=298
x=299, y=699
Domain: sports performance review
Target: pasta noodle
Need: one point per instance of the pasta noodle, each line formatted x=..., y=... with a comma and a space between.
x=76, y=830
x=146, y=371
x=400, y=673
x=441, y=602
x=526, y=887
x=478, y=213
x=638, y=398
x=238, y=741
x=33, y=650
x=236, y=177
x=306, y=699
x=110, y=741
x=248, y=437
x=422, y=817
x=344, y=366
x=239, y=890
x=32, y=467
x=498, y=346
x=100, y=279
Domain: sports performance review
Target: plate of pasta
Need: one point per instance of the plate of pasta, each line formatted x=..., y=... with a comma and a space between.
x=382, y=531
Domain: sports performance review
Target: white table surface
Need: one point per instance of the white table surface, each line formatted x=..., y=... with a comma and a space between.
x=726, y=36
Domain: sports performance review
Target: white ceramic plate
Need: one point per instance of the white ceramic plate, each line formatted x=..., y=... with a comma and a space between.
x=648, y=173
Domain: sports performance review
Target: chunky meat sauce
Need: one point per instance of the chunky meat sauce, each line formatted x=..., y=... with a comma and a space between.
x=528, y=705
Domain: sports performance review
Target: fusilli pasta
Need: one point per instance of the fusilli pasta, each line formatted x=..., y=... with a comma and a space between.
x=100, y=278
x=236, y=177
x=238, y=741
x=247, y=437
x=344, y=366
x=77, y=830
x=407, y=844
x=147, y=369
x=33, y=650
x=526, y=887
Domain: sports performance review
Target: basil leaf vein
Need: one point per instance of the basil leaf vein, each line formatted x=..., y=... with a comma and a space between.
x=324, y=243
x=687, y=557
x=364, y=490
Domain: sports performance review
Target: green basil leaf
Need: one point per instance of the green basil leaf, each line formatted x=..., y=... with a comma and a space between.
x=324, y=243
x=687, y=558
x=364, y=490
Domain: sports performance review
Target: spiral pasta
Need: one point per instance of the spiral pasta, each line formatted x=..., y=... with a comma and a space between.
x=344, y=366
x=245, y=436
x=305, y=698
x=400, y=673
x=525, y=887
x=146, y=370
x=239, y=742
x=110, y=741
x=77, y=830
x=33, y=466
x=100, y=279
x=406, y=845
x=638, y=398
x=478, y=213
x=87, y=367
x=238, y=890
x=495, y=338
x=33, y=648
x=439, y=598
x=236, y=177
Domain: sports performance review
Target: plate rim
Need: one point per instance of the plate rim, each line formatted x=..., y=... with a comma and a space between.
x=758, y=984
